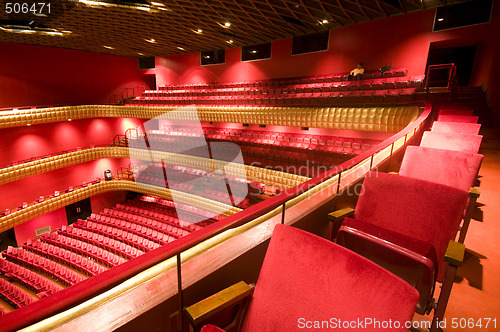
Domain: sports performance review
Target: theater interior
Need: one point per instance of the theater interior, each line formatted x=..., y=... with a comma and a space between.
x=213, y=165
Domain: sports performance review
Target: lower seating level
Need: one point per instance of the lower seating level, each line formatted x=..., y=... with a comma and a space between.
x=73, y=253
x=300, y=154
x=202, y=183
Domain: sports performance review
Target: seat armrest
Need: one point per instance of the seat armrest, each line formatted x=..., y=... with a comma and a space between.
x=341, y=214
x=207, y=308
x=474, y=192
x=455, y=253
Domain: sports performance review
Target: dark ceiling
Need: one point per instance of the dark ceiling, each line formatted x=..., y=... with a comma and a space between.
x=162, y=27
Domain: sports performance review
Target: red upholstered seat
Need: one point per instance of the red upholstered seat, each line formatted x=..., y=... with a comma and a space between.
x=416, y=208
x=405, y=225
x=455, y=111
x=447, y=141
x=306, y=278
x=458, y=118
x=453, y=168
x=456, y=127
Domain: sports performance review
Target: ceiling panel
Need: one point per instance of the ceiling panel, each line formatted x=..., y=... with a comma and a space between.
x=166, y=27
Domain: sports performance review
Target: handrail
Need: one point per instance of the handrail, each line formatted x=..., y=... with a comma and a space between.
x=15, y=163
x=88, y=288
x=135, y=92
x=450, y=81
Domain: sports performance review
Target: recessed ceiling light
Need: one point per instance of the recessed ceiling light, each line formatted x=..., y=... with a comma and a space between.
x=140, y=53
x=324, y=21
x=440, y=19
x=230, y=41
x=181, y=48
x=253, y=51
x=198, y=31
x=109, y=47
x=227, y=24
x=157, y=4
x=146, y=9
x=150, y=40
x=207, y=56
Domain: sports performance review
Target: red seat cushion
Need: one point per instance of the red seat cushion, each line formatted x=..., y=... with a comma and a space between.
x=305, y=278
x=456, y=127
x=211, y=328
x=458, y=118
x=453, y=168
x=455, y=111
x=447, y=141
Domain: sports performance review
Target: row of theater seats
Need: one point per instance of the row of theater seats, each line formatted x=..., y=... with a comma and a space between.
x=202, y=183
x=38, y=263
x=65, y=256
x=302, y=154
x=288, y=140
x=14, y=295
x=357, y=85
x=396, y=72
x=18, y=162
x=39, y=284
x=304, y=162
x=41, y=199
x=293, y=99
x=255, y=138
x=89, y=247
x=149, y=205
x=95, y=252
x=408, y=223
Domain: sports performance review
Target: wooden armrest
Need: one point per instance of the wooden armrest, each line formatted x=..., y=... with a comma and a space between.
x=474, y=192
x=455, y=253
x=218, y=302
x=341, y=214
x=394, y=173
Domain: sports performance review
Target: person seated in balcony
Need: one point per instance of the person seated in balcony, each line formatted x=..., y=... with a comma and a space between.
x=356, y=73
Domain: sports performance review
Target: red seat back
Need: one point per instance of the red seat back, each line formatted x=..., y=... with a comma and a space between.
x=447, y=141
x=307, y=278
x=423, y=210
x=452, y=168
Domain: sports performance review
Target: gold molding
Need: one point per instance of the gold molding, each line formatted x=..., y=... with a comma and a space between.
x=52, y=204
x=263, y=175
x=386, y=119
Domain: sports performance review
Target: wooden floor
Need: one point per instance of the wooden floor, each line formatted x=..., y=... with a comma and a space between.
x=475, y=296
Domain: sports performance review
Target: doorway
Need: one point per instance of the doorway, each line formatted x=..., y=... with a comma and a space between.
x=78, y=210
x=463, y=57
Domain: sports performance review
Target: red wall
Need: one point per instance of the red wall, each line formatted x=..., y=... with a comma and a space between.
x=58, y=218
x=374, y=43
x=26, y=190
x=26, y=231
x=106, y=200
x=38, y=75
x=402, y=40
x=20, y=143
